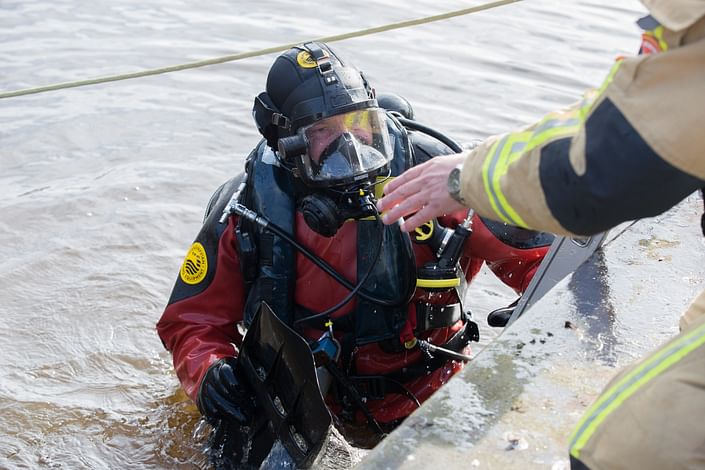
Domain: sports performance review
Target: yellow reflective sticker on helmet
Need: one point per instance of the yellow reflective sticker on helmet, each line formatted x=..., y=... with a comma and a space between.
x=195, y=265
x=305, y=60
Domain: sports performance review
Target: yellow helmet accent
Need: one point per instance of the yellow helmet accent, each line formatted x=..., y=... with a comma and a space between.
x=305, y=60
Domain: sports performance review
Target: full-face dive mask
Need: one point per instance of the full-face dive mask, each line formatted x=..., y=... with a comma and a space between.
x=338, y=158
x=321, y=116
x=340, y=149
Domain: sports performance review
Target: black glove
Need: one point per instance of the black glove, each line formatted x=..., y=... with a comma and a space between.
x=223, y=396
x=501, y=316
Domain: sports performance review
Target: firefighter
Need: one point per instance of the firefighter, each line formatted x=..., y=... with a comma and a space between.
x=631, y=149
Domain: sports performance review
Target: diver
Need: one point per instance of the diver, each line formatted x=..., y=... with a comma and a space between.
x=391, y=302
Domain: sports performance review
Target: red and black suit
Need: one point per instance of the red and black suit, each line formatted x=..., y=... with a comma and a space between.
x=221, y=283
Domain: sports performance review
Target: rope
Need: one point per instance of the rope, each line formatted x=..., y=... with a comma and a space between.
x=260, y=52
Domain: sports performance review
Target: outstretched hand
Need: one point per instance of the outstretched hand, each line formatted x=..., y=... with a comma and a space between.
x=422, y=191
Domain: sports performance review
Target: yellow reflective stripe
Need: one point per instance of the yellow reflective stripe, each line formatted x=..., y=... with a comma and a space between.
x=591, y=97
x=487, y=171
x=569, y=130
x=513, y=145
x=657, y=33
x=608, y=79
x=625, y=388
x=438, y=283
x=552, y=129
x=510, y=148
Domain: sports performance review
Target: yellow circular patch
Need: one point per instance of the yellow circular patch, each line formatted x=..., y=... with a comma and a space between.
x=305, y=60
x=195, y=265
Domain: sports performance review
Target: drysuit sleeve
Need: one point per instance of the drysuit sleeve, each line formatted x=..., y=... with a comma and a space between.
x=631, y=149
x=199, y=324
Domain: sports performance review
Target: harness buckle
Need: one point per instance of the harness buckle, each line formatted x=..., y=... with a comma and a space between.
x=280, y=120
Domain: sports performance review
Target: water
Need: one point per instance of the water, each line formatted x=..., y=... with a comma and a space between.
x=103, y=187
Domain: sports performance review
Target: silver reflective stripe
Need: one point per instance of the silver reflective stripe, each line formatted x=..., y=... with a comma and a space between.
x=553, y=123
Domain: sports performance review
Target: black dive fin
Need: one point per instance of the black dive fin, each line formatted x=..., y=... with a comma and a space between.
x=279, y=367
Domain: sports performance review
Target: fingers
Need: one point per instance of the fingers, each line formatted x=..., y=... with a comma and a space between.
x=222, y=395
x=234, y=412
x=399, y=189
x=435, y=208
x=421, y=208
x=214, y=403
x=226, y=376
x=405, y=206
x=205, y=402
x=404, y=178
x=421, y=193
x=229, y=383
x=419, y=187
x=418, y=219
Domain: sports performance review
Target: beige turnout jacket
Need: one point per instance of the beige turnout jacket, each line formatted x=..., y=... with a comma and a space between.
x=632, y=148
x=661, y=96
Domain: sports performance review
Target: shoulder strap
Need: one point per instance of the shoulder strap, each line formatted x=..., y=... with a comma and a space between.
x=270, y=193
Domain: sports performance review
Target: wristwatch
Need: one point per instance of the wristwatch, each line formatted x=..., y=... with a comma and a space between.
x=454, y=185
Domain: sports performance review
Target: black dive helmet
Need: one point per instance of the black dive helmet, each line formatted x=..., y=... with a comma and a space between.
x=311, y=97
x=321, y=117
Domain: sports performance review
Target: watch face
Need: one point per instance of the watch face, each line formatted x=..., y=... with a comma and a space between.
x=454, y=182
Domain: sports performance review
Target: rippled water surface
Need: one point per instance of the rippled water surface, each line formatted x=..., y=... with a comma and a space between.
x=103, y=187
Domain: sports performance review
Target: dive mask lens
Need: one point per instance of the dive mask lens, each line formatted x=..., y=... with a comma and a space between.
x=343, y=147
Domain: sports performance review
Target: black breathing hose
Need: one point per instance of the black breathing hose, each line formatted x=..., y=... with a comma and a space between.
x=356, y=289
x=456, y=147
x=328, y=269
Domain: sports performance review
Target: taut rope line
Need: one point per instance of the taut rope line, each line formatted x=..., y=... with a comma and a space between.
x=260, y=52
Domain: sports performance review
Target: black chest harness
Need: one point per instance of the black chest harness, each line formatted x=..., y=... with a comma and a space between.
x=269, y=262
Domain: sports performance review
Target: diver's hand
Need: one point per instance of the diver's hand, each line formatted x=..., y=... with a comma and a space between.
x=422, y=190
x=223, y=396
